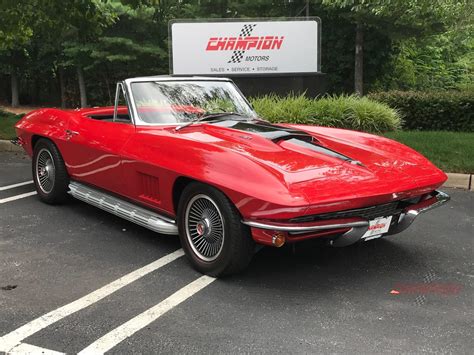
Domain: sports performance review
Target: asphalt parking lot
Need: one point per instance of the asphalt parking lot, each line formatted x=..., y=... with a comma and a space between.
x=75, y=278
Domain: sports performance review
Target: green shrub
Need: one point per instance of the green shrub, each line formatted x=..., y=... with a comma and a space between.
x=350, y=112
x=441, y=111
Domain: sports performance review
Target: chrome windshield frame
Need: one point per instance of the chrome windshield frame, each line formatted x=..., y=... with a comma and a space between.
x=131, y=100
x=122, y=88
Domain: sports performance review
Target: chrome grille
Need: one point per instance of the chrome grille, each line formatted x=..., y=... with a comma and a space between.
x=368, y=213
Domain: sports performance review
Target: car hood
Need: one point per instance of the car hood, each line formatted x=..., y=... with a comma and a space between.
x=314, y=161
x=284, y=149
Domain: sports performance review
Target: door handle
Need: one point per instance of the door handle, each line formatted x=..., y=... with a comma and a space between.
x=70, y=134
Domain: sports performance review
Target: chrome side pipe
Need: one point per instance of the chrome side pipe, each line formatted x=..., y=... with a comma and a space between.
x=123, y=209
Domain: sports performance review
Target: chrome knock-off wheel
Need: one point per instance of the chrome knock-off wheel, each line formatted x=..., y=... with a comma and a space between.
x=45, y=170
x=211, y=231
x=204, y=227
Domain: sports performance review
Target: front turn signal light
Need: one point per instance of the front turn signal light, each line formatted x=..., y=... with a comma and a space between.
x=278, y=239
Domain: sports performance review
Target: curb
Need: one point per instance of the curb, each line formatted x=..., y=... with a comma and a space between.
x=7, y=146
x=460, y=181
x=455, y=180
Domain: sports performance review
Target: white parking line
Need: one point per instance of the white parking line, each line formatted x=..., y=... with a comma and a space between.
x=14, y=338
x=3, y=188
x=24, y=348
x=122, y=332
x=17, y=197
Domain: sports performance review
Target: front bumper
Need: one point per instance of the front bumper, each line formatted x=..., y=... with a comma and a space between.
x=17, y=141
x=352, y=230
x=408, y=216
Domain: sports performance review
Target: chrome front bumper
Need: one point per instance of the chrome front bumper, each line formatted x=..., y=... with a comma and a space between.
x=357, y=228
x=17, y=141
x=407, y=217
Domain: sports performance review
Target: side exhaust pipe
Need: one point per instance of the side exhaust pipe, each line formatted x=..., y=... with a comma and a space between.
x=126, y=210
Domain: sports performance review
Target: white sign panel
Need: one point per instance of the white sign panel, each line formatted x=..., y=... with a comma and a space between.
x=245, y=47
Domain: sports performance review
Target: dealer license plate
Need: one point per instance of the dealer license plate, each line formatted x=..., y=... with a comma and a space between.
x=377, y=227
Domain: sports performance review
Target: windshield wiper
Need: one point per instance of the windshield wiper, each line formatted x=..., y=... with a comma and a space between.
x=207, y=116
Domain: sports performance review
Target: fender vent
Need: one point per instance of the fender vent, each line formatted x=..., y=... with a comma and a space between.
x=149, y=186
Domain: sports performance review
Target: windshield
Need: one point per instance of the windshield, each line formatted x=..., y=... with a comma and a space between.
x=185, y=101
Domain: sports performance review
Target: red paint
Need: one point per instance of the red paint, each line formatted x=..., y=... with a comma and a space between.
x=244, y=43
x=376, y=226
x=265, y=180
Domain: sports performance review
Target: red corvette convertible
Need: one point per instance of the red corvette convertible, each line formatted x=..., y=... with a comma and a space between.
x=189, y=156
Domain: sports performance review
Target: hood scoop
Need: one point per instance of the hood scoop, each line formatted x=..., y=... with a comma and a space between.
x=266, y=130
x=289, y=138
x=310, y=145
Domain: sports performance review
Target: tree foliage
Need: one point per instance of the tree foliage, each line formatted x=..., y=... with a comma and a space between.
x=46, y=46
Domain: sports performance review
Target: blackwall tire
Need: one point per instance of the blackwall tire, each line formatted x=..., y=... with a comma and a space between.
x=211, y=233
x=49, y=172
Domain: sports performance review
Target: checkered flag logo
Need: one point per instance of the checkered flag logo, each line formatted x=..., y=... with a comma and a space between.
x=246, y=31
x=237, y=57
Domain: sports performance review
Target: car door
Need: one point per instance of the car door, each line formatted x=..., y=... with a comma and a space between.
x=92, y=153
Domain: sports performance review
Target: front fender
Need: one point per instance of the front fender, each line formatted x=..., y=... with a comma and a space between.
x=256, y=190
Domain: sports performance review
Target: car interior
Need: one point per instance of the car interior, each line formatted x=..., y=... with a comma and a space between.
x=107, y=115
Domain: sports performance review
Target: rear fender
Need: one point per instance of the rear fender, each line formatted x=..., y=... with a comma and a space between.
x=47, y=123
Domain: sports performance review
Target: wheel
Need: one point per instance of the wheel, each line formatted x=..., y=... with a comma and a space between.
x=49, y=172
x=211, y=232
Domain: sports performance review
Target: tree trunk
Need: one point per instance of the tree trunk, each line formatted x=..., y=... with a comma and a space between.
x=35, y=93
x=15, y=93
x=359, y=61
x=82, y=86
x=62, y=87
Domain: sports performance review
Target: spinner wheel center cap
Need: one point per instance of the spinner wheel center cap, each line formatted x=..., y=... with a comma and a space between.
x=43, y=172
x=203, y=227
x=200, y=228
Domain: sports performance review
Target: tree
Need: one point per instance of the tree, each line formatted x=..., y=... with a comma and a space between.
x=131, y=46
x=17, y=20
x=77, y=49
x=83, y=22
x=400, y=19
x=57, y=30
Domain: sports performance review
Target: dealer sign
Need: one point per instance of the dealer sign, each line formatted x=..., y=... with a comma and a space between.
x=245, y=47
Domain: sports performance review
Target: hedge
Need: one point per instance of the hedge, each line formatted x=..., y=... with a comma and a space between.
x=343, y=111
x=440, y=111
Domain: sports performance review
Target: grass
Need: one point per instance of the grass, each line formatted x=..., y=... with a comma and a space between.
x=450, y=151
x=7, y=121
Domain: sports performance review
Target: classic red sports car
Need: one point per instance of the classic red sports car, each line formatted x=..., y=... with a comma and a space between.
x=189, y=156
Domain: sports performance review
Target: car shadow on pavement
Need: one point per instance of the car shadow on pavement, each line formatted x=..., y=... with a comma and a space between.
x=311, y=267
x=122, y=227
